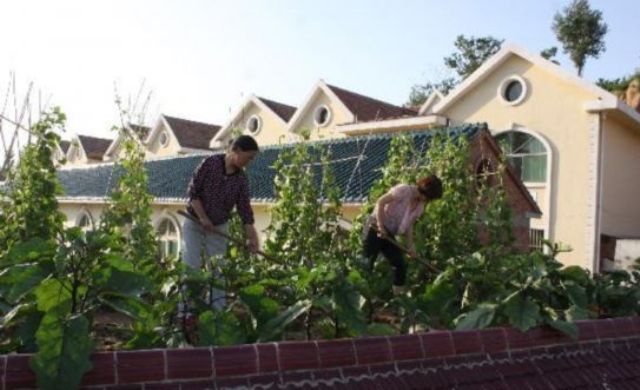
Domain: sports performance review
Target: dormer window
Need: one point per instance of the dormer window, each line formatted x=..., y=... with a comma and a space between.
x=512, y=90
x=322, y=115
x=254, y=124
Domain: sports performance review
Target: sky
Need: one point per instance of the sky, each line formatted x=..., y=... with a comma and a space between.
x=200, y=59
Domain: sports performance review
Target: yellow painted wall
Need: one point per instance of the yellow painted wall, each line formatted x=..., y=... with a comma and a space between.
x=338, y=116
x=155, y=149
x=273, y=130
x=262, y=215
x=620, y=180
x=554, y=109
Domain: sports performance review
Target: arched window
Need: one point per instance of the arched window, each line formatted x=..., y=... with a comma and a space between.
x=85, y=222
x=526, y=154
x=168, y=238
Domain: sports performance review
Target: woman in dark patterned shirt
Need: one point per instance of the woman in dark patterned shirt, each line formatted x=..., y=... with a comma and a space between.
x=217, y=186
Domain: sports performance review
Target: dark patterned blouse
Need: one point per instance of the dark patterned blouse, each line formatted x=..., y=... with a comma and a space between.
x=220, y=192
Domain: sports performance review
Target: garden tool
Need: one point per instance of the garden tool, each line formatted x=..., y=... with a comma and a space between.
x=240, y=243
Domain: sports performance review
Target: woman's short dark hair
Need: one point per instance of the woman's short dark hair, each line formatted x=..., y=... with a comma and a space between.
x=245, y=143
x=430, y=186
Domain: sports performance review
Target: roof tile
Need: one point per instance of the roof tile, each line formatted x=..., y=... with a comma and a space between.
x=368, y=109
x=94, y=147
x=192, y=134
x=284, y=111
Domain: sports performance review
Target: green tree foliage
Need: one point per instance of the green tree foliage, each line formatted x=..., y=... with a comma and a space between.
x=619, y=85
x=31, y=208
x=550, y=54
x=420, y=92
x=471, y=53
x=53, y=281
x=581, y=32
x=305, y=235
x=128, y=214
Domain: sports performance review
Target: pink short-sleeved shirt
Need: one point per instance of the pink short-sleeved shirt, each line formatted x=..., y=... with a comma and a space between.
x=404, y=210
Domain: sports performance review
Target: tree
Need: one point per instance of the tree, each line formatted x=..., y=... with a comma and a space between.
x=581, y=31
x=472, y=52
x=420, y=92
x=550, y=54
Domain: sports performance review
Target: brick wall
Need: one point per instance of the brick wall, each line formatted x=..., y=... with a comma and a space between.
x=337, y=362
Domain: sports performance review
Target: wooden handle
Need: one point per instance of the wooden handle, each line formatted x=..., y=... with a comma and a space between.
x=185, y=214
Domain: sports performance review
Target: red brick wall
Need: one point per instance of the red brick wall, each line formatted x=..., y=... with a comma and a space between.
x=484, y=149
x=296, y=362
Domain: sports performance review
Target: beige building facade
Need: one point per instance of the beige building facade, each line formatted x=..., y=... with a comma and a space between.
x=575, y=146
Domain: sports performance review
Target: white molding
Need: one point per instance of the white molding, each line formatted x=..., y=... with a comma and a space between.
x=613, y=104
x=190, y=151
x=224, y=131
x=75, y=143
x=547, y=186
x=428, y=105
x=258, y=126
x=391, y=124
x=503, y=55
x=84, y=211
x=112, y=147
x=316, y=112
x=502, y=89
x=320, y=86
x=594, y=211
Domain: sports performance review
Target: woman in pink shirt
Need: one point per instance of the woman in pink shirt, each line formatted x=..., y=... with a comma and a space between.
x=395, y=214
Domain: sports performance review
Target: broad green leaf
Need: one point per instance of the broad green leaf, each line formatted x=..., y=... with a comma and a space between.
x=219, y=328
x=21, y=279
x=126, y=282
x=53, y=295
x=575, y=273
x=522, y=313
x=478, y=318
x=378, y=329
x=26, y=330
x=576, y=294
x=575, y=313
x=262, y=308
x=64, y=348
x=276, y=325
x=568, y=328
x=31, y=250
x=132, y=307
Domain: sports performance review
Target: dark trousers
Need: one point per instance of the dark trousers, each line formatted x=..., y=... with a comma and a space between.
x=373, y=245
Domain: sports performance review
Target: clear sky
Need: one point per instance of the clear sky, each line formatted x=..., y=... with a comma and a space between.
x=201, y=58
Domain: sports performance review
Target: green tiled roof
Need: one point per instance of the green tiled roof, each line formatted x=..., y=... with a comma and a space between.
x=169, y=178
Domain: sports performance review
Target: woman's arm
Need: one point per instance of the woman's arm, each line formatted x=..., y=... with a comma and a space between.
x=411, y=247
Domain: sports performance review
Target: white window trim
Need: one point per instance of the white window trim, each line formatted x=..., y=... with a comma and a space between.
x=258, y=127
x=315, y=115
x=168, y=216
x=502, y=88
x=548, y=231
x=84, y=212
x=166, y=138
